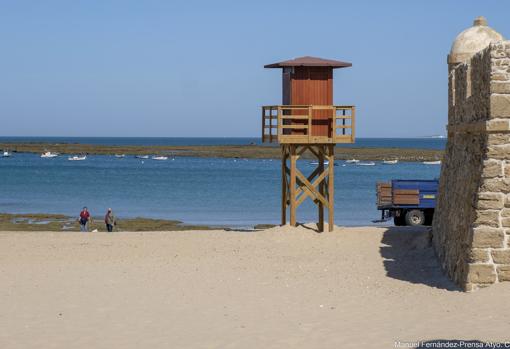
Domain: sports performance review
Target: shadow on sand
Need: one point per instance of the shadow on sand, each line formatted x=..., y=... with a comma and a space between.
x=409, y=256
x=456, y=343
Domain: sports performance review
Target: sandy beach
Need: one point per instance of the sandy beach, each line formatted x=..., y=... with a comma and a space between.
x=279, y=288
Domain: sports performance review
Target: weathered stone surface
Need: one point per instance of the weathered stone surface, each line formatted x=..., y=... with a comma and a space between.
x=501, y=125
x=487, y=217
x=498, y=138
x=491, y=201
x=492, y=168
x=500, y=87
x=484, y=237
x=503, y=272
x=481, y=273
x=479, y=255
x=500, y=106
x=496, y=185
x=501, y=152
x=505, y=222
x=471, y=227
x=501, y=256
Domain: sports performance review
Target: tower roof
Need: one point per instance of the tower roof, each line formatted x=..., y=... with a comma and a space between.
x=472, y=40
x=308, y=61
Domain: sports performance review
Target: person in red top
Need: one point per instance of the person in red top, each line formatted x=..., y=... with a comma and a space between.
x=84, y=220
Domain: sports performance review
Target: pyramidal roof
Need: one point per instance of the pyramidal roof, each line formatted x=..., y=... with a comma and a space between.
x=308, y=61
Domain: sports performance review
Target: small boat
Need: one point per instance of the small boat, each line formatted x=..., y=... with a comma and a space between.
x=6, y=154
x=142, y=156
x=49, y=155
x=390, y=162
x=120, y=156
x=371, y=163
x=352, y=161
x=77, y=158
x=326, y=162
x=438, y=162
x=160, y=158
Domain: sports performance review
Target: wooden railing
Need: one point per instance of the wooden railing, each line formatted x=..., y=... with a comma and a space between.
x=308, y=124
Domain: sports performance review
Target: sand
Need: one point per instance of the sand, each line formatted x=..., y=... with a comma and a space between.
x=278, y=288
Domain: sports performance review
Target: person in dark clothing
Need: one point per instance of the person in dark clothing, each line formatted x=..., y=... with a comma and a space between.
x=109, y=220
x=84, y=220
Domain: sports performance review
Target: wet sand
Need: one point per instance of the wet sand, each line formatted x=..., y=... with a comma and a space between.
x=278, y=288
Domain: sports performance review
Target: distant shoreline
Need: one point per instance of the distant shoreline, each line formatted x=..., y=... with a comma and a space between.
x=219, y=151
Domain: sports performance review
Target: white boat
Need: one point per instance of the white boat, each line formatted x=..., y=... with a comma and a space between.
x=371, y=163
x=390, y=162
x=77, y=158
x=326, y=162
x=49, y=154
x=438, y=162
x=120, y=156
x=6, y=154
x=142, y=156
x=352, y=161
x=160, y=158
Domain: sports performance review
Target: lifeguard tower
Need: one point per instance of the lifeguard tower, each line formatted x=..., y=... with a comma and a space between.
x=308, y=120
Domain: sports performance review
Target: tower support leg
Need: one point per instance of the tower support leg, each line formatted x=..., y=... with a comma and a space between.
x=285, y=200
x=319, y=185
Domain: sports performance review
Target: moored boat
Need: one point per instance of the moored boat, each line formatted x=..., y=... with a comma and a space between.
x=49, y=154
x=390, y=162
x=77, y=158
x=6, y=154
x=352, y=161
x=438, y=162
x=142, y=156
x=160, y=158
x=370, y=163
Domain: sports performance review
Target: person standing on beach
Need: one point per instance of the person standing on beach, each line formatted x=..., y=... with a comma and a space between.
x=84, y=220
x=109, y=220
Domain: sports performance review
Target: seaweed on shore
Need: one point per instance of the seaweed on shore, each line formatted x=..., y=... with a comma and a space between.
x=56, y=222
x=223, y=151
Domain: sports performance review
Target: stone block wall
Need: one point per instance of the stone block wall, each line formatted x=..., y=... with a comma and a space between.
x=471, y=228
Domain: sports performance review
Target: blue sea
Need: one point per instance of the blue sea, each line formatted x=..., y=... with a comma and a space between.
x=224, y=192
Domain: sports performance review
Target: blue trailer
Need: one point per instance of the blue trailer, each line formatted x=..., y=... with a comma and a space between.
x=408, y=202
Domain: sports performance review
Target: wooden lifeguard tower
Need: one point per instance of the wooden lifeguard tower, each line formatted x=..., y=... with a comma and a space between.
x=308, y=120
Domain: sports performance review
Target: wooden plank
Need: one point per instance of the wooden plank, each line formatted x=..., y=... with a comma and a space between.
x=295, y=126
x=297, y=117
x=331, y=186
x=284, y=185
x=321, y=187
x=293, y=159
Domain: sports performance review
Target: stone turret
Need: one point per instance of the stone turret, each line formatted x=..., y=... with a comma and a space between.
x=472, y=40
x=471, y=228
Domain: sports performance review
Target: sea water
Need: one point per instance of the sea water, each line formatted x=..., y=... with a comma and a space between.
x=212, y=191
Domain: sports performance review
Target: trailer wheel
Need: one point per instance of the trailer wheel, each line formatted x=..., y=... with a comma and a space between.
x=415, y=217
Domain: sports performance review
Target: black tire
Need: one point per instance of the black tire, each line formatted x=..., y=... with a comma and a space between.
x=415, y=218
x=398, y=221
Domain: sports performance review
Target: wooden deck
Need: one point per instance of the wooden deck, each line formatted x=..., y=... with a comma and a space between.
x=304, y=124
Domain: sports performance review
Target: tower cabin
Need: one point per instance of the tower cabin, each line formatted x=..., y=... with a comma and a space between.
x=308, y=120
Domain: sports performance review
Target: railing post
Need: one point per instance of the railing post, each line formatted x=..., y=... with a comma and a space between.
x=310, y=113
x=263, y=123
x=271, y=125
x=279, y=123
x=353, y=123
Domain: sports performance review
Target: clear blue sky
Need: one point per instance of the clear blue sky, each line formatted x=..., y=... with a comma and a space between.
x=194, y=68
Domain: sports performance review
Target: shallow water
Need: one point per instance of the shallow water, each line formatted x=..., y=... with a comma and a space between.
x=234, y=192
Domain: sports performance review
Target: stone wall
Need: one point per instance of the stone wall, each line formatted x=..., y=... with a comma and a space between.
x=471, y=229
